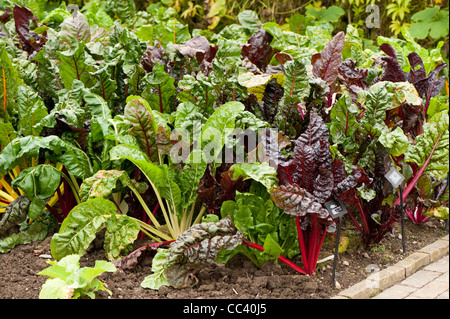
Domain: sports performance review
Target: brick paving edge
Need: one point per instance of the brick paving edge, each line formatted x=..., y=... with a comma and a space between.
x=391, y=275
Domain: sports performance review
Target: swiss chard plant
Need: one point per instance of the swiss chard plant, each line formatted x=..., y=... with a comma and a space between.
x=68, y=281
x=120, y=121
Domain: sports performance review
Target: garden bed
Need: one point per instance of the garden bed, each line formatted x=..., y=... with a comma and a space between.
x=239, y=278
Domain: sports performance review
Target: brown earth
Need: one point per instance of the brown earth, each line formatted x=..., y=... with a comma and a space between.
x=239, y=278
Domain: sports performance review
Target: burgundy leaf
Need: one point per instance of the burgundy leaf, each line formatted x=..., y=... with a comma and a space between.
x=392, y=70
x=326, y=63
x=322, y=153
x=282, y=57
x=6, y=16
x=29, y=40
x=152, y=55
x=214, y=189
x=323, y=185
x=258, y=49
x=315, y=131
x=431, y=85
x=413, y=119
x=200, y=48
x=416, y=74
x=303, y=169
x=338, y=171
x=355, y=179
x=353, y=78
x=272, y=95
x=296, y=201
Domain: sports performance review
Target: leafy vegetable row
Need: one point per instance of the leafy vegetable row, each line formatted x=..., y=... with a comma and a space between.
x=93, y=112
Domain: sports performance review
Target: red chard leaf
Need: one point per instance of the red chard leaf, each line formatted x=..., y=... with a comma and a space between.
x=326, y=63
x=29, y=40
x=258, y=49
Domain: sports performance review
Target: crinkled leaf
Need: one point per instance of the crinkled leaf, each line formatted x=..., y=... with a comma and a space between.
x=352, y=77
x=396, y=142
x=197, y=246
x=15, y=213
x=76, y=64
x=260, y=172
x=200, y=48
x=434, y=141
x=249, y=20
x=103, y=183
x=38, y=230
x=125, y=10
x=79, y=229
x=221, y=121
x=38, y=182
x=216, y=188
x=75, y=160
x=143, y=125
x=160, y=89
x=31, y=110
x=296, y=201
x=29, y=40
x=10, y=86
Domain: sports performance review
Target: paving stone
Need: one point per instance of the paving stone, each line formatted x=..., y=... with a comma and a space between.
x=338, y=297
x=439, y=266
x=395, y=292
x=436, y=250
x=430, y=290
x=361, y=290
x=420, y=278
x=443, y=295
x=444, y=277
x=387, y=277
x=414, y=262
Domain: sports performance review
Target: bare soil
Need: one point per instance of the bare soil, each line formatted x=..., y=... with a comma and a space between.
x=239, y=278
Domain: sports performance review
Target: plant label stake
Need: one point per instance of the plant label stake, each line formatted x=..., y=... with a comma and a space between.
x=396, y=179
x=337, y=209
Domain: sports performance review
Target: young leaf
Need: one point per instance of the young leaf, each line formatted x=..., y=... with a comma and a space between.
x=75, y=29
x=160, y=89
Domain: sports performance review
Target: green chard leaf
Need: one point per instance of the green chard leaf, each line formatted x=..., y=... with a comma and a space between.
x=79, y=229
x=433, y=141
x=76, y=64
